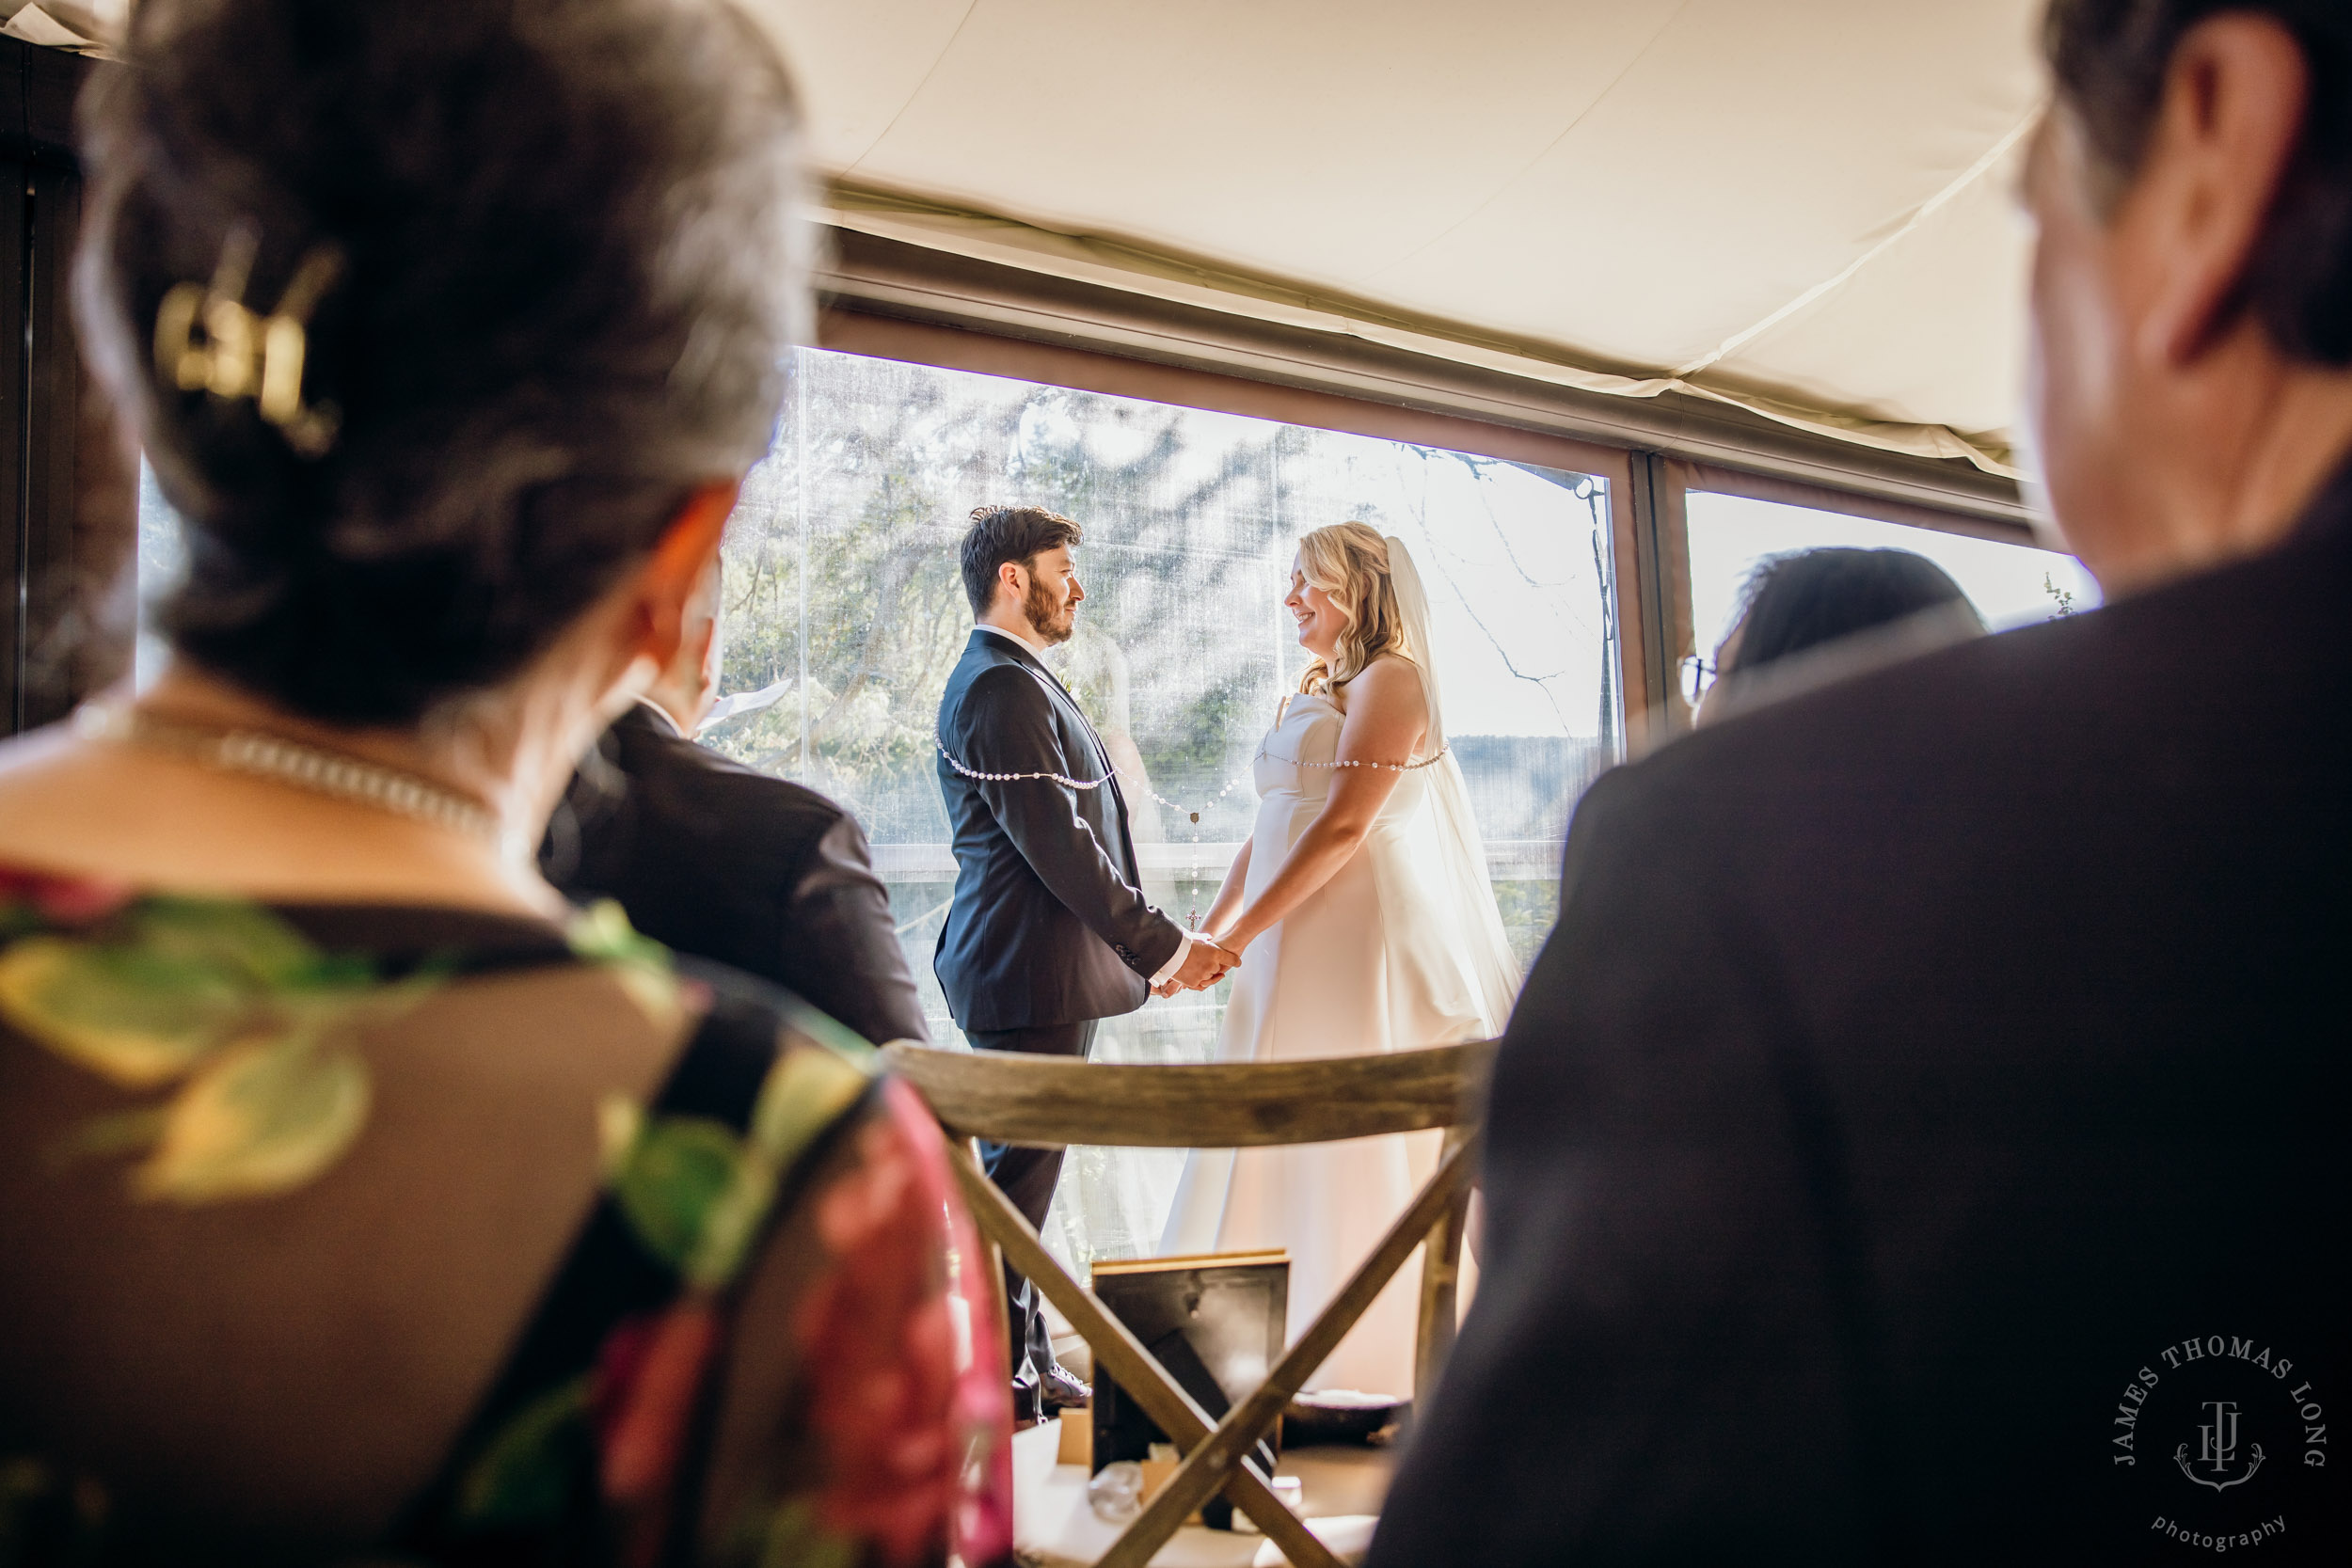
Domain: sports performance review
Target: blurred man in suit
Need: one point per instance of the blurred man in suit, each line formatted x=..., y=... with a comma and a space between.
x=1049, y=932
x=1922, y=1139
x=713, y=859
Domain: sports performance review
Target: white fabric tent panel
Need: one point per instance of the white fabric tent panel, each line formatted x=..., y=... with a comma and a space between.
x=1629, y=183
x=859, y=65
x=1309, y=141
x=1752, y=154
x=1930, y=322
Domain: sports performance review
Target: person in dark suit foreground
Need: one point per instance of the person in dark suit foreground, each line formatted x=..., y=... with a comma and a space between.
x=711, y=858
x=1048, y=934
x=1922, y=1139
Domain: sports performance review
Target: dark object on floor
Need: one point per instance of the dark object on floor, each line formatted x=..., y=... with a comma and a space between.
x=1342, y=1416
x=1214, y=1323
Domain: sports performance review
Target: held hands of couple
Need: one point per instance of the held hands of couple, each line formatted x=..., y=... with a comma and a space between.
x=1205, y=963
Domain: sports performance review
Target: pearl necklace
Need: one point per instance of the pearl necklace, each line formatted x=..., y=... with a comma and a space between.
x=335, y=774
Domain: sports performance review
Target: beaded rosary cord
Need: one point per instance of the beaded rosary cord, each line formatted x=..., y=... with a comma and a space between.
x=1192, y=921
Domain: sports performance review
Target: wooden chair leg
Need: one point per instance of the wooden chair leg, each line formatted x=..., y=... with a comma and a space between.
x=1207, y=1466
x=993, y=1260
x=1440, y=1282
x=1118, y=1352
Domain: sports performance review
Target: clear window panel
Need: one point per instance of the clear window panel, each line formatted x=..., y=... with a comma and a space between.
x=845, y=612
x=2010, y=585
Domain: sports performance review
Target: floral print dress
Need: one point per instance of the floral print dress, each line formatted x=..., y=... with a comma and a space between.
x=238, y=1041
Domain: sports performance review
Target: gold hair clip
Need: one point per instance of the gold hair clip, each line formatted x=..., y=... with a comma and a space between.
x=207, y=339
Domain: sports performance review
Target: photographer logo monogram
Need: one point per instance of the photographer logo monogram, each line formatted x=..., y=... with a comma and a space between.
x=2200, y=1420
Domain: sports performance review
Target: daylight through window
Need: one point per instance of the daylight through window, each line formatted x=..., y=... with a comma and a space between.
x=844, y=615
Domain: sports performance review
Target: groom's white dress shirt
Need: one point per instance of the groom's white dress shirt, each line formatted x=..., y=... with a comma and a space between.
x=1183, y=948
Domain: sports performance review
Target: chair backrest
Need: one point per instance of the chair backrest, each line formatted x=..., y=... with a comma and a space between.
x=1004, y=1097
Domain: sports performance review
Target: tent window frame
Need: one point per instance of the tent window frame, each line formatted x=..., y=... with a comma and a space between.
x=1651, y=568
x=1090, y=369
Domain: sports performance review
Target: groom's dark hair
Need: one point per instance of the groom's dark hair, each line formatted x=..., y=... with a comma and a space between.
x=1002, y=533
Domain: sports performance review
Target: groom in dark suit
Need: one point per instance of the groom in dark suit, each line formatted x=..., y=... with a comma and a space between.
x=1049, y=931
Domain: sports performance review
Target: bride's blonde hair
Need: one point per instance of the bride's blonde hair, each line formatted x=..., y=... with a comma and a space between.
x=1349, y=561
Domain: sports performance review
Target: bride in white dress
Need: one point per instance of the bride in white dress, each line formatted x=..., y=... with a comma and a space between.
x=1365, y=921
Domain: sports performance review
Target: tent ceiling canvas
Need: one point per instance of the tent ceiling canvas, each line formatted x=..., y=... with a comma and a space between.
x=1801, y=205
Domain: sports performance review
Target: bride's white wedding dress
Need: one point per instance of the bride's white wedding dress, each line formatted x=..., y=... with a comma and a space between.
x=1403, y=947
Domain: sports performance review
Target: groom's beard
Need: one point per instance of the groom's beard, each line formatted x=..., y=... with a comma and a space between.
x=1051, y=625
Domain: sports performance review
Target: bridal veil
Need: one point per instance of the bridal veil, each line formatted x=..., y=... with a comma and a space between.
x=1462, y=878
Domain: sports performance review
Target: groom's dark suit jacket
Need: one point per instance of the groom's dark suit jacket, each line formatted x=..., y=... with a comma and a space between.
x=1915, y=1062
x=1048, y=925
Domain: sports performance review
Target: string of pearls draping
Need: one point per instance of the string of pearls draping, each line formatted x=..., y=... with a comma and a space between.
x=1429, y=761
x=1192, y=922
x=1193, y=814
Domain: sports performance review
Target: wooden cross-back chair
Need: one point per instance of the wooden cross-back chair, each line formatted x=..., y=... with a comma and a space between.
x=1048, y=1102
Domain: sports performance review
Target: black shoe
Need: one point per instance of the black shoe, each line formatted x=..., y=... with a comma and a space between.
x=1060, y=1389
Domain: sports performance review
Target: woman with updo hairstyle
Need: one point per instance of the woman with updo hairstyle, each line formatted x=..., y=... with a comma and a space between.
x=358, y=1200
x=1363, y=920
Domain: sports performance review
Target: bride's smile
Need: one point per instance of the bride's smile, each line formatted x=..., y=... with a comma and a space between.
x=1320, y=621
